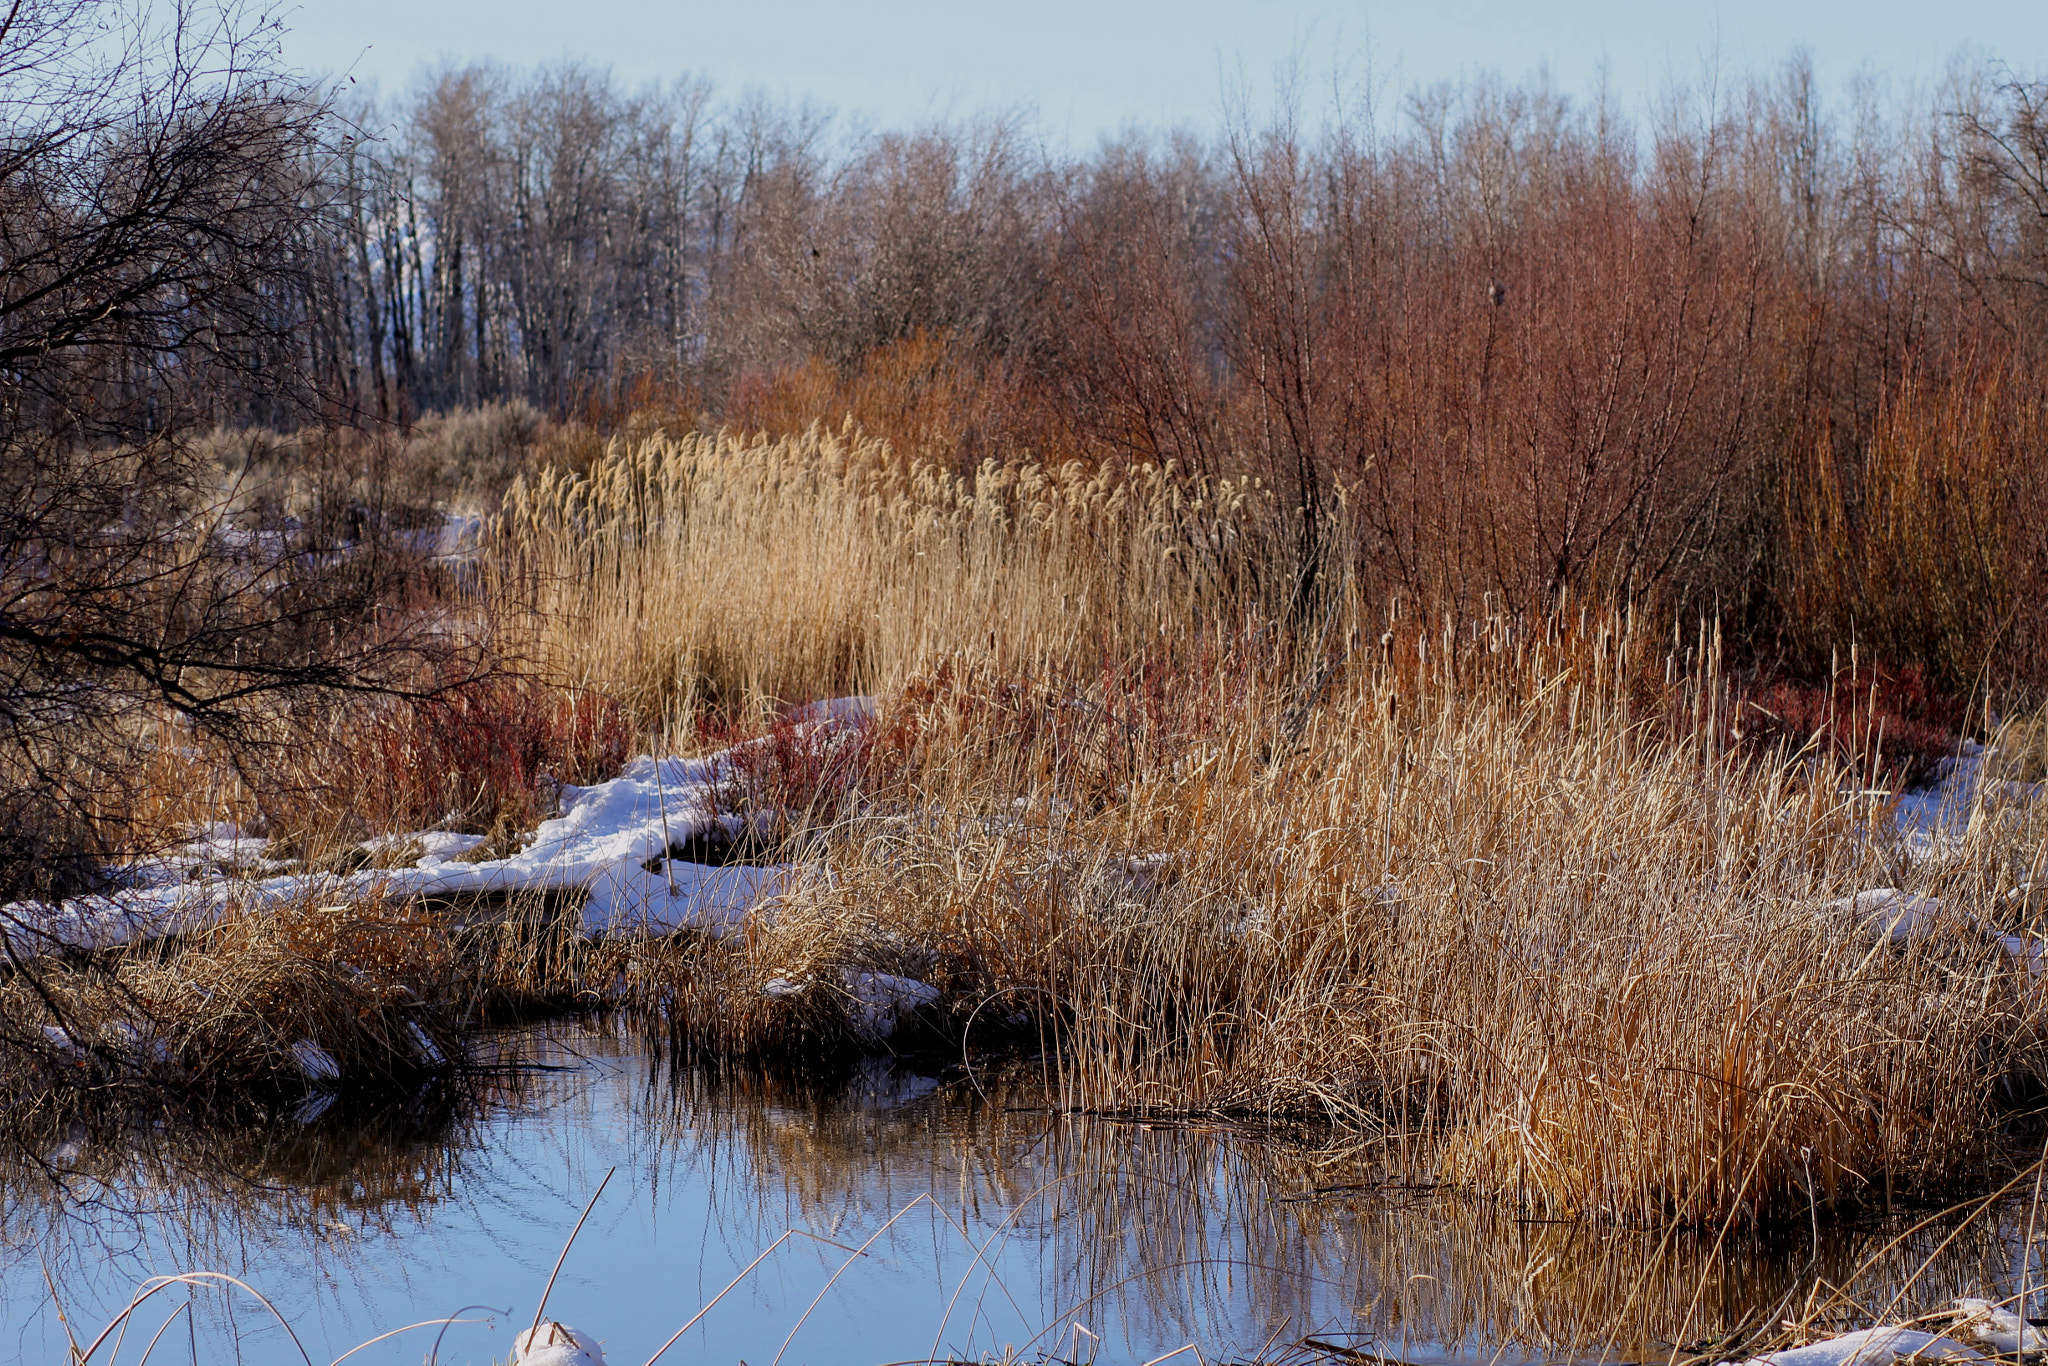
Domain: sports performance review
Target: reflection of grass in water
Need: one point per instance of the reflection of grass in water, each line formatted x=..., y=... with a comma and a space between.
x=1163, y=1224
x=329, y=1189
x=239, y=1181
x=1159, y=1227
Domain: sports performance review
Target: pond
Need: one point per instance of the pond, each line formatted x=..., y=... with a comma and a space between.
x=990, y=1222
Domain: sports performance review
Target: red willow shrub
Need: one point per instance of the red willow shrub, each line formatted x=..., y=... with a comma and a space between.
x=796, y=775
x=1889, y=727
x=481, y=758
x=1926, y=539
x=1504, y=349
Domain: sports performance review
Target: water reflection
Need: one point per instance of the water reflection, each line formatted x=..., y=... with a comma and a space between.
x=357, y=1221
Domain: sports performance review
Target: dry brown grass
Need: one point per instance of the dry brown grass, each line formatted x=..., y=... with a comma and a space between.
x=390, y=991
x=2019, y=750
x=1518, y=938
x=378, y=988
x=710, y=572
x=1529, y=905
x=462, y=459
x=1507, y=898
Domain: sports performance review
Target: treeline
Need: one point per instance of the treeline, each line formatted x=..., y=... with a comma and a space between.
x=1758, y=356
x=544, y=236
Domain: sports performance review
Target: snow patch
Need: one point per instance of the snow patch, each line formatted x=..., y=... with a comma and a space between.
x=1999, y=1329
x=315, y=1062
x=881, y=1002
x=1937, y=812
x=1890, y=914
x=556, y=1344
x=429, y=1051
x=1870, y=1347
x=611, y=841
x=844, y=711
x=1893, y=916
x=60, y=1040
x=435, y=846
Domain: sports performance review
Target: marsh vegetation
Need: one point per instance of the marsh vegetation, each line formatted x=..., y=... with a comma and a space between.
x=1500, y=642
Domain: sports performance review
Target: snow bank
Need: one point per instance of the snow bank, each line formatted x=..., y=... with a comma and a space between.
x=1925, y=819
x=1886, y=913
x=1979, y=1321
x=435, y=846
x=456, y=537
x=1927, y=816
x=881, y=1001
x=611, y=841
x=877, y=1001
x=1999, y=1329
x=845, y=711
x=1927, y=813
x=1890, y=914
x=315, y=1062
x=1870, y=1347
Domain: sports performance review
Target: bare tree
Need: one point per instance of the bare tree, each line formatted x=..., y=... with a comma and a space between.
x=161, y=213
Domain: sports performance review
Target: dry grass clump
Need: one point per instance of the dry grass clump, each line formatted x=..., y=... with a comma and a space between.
x=707, y=572
x=380, y=990
x=785, y=992
x=1503, y=926
x=462, y=459
x=2019, y=749
x=360, y=975
x=484, y=757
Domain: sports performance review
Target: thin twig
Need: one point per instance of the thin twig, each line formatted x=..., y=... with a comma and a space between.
x=541, y=1308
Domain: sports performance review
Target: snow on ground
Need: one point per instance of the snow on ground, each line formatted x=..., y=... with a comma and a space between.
x=844, y=711
x=435, y=846
x=609, y=842
x=1870, y=1347
x=1890, y=914
x=881, y=1001
x=1926, y=819
x=1981, y=1325
x=556, y=1344
x=1900, y=917
x=1927, y=816
x=1987, y=1324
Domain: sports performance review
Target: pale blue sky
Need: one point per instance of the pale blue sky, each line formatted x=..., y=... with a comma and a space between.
x=1086, y=67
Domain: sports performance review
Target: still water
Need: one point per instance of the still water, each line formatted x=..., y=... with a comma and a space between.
x=1014, y=1229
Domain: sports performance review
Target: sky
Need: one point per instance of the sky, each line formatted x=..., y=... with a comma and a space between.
x=1089, y=68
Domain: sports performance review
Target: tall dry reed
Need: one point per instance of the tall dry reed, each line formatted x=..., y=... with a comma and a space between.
x=1513, y=932
x=710, y=571
x=1514, y=899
